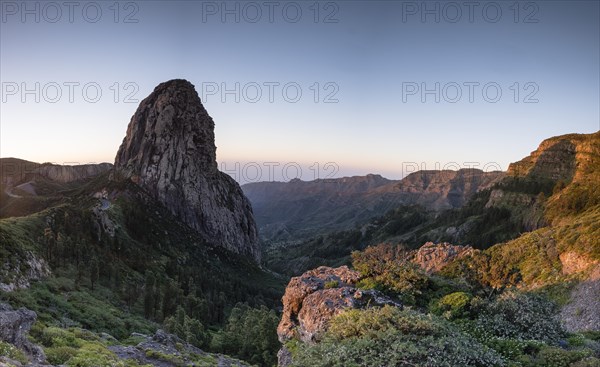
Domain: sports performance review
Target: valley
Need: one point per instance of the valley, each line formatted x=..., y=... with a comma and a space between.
x=162, y=260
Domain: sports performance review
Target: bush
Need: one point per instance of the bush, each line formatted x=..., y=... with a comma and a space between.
x=386, y=267
x=59, y=355
x=556, y=357
x=390, y=337
x=520, y=316
x=10, y=351
x=452, y=306
x=332, y=284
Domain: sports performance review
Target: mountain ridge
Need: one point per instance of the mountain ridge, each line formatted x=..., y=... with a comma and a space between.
x=284, y=210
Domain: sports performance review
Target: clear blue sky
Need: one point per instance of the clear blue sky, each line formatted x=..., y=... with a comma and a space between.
x=373, y=54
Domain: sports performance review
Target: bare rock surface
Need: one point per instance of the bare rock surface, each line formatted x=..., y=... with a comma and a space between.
x=170, y=151
x=433, y=257
x=14, y=326
x=153, y=349
x=314, y=298
x=18, y=273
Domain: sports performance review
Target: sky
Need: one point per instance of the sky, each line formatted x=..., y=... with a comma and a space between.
x=305, y=89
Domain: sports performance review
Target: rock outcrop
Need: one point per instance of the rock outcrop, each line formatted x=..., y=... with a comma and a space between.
x=18, y=274
x=314, y=298
x=169, y=150
x=167, y=350
x=433, y=257
x=566, y=157
x=14, y=325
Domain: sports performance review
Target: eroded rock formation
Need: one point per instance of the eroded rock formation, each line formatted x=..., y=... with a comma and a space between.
x=433, y=257
x=170, y=151
x=14, y=325
x=314, y=298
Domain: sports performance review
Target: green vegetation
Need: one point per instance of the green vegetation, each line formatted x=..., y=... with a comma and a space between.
x=188, y=329
x=10, y=351
x=390, y=337
x=76, y=347
x=250, y=334
x=386, y=268
x=153, y=272
x=476, y=328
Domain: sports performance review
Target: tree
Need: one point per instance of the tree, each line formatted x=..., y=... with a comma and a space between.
x=250, y=334
x=149, y=295
x=187, y=328
x=94, y=272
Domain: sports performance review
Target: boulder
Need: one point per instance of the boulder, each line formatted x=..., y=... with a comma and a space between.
x=433, y=257
x=14, y=325
x=314, y=298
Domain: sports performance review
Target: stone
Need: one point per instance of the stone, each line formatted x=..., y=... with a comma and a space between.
x=20, y=273
x=169, y=150
x=314, y=298
x=284, y=357
x=179, y=352
x=433, y=257
x=14, y=325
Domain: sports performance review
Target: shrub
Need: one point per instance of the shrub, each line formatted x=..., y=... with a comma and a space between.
x=10, y=351
x=452, y=306
x=386, y=267
x=390, y=337
x=332, y=284
x=520, y=316
x=59, y=355
x=556, y=357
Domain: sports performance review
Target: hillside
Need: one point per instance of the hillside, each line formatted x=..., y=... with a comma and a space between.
x=288, y=211
x=522, y=201
x=531, y=301
x=106, y=256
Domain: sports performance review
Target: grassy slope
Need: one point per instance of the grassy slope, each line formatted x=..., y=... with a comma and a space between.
x=147, y=240
x=573, y=214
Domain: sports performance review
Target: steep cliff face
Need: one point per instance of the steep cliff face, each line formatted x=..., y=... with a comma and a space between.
x=446, y=189
x=169, y=150
x=559, y=157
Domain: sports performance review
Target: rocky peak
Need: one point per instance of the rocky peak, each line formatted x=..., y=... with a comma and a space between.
x=170, y=151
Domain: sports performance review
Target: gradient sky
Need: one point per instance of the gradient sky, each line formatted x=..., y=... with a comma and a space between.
x=366, y=50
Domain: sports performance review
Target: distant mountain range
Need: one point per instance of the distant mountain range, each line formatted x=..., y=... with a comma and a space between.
x=288, y=211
